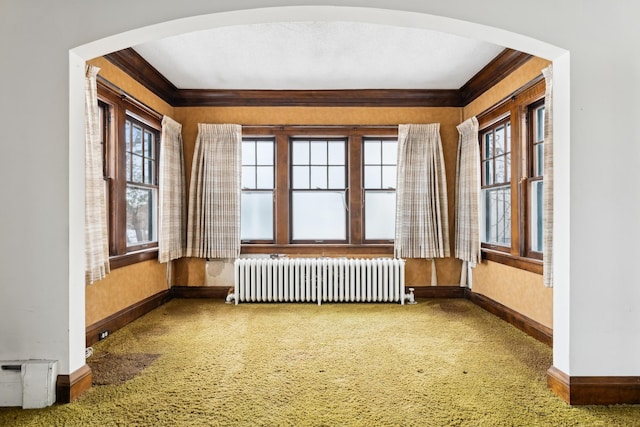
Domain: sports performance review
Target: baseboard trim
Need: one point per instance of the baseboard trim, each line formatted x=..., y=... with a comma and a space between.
x=594, y=390
x=437, y=291
x=200, y=291
x=529, y=326
x=125, y=316
x=69, y=387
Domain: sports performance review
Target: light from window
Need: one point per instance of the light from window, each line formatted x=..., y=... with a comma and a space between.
x=318, y=190
x=536, y=183
x=142, y=184
x=379, y=166
x=496, y=184
x=256, y=212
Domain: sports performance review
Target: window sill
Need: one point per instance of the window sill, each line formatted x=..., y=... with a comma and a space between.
x=318, y=249
x=119, y=261
x=522, y=263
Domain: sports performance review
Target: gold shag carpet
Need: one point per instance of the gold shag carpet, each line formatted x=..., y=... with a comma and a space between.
x=205, y=363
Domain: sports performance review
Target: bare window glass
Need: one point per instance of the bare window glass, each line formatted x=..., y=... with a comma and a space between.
x=379, y=170
x=258, y=183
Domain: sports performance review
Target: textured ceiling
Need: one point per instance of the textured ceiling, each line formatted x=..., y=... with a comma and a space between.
x=318, y=55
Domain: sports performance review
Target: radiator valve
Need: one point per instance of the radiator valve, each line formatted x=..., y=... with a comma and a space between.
x=410, y=297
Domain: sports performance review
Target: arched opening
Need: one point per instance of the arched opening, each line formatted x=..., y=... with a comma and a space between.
x=325, y=13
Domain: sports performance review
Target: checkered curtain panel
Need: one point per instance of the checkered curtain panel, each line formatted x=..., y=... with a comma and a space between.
x=213, y=227
x=547, y=189
x=467, y=223
x=172, y=207
x=96, y=238
x=422, y=227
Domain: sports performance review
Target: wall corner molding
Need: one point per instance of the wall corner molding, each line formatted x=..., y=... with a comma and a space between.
x=594, y=390
x=69, y=387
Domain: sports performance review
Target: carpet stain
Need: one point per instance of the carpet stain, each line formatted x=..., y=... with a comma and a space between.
x=108, y=368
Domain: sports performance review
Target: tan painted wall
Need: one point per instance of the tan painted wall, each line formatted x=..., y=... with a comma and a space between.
x=517, y=289
x=126, y=286
x=191, y=272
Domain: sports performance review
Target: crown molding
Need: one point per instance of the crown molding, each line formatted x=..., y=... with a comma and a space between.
x=139, y=69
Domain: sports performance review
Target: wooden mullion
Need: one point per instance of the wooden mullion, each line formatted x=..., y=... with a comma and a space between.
x=356, y=203
x=281, y=191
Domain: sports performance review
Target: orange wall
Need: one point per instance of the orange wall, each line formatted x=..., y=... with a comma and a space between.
x=517, y=289
x=191, y=272
x=126, y=286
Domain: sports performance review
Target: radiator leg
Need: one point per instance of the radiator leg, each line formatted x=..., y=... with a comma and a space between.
x=410, y=297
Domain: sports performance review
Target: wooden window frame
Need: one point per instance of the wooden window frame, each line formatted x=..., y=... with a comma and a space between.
x=516, y=106
x=354, y=135
x=531, y=177
x=119, y=107
x=373, y=190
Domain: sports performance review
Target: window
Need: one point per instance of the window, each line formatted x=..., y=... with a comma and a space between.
x=535, y=119
x=496, y=184
x=258, y=167
x=379, y=169
x=511, y=143
x=131, y=138
x=141, y=195
x=318, y=190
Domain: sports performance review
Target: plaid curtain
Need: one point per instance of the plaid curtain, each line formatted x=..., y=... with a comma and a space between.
x=96, y=238
x=467, y=225
x=422, y=226
x=213, y=229
x=547, y=189
x=172, y=211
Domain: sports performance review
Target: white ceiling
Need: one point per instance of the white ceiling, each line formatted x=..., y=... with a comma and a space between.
x=318, y=55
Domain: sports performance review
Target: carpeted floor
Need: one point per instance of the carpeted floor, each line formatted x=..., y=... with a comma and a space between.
x=204, y=363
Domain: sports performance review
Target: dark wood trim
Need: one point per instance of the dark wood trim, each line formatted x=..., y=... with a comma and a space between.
x=200, y=291
x=527, y=325
x=69, y=387
x=129, y=61
x=318, y=98
x=500, y=67
x=125, y=316
x=132, y=258
x=594, y=390
x=436, y=291
x=138, y=68
x=319, y=250
x=522, y=263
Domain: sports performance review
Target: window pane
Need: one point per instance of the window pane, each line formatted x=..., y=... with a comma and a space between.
x=488, y=172
x=539, y=160
x=264, y=153
x=372, y=153
x=300, y=177
x=318, y=177
x=372, y=177
x=149, y=172
x=148, y=144
x=539, y=124
x=318, y=152
x=389, y=152
x=264, y=177
x=336, y=177
x=336, y=153
x=319, y=215
x=536, y=216
x=488, y=145
x=141, y=208
x=137, y=139
x=256, y=215
x=497, y=216
x=388, y=177
x=300, y=155
x=499, y=142
x=379, y=215
x=136, y=171
x=507, y=146
x=128, y=165
x=127, y=136
x=248, y=177
x=248, y=153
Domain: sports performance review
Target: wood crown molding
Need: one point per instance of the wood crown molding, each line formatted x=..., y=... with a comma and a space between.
x=139, y=69
x=594, y=390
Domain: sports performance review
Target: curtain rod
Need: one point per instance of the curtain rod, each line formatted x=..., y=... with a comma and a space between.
x=321, y=126
x=125, y=96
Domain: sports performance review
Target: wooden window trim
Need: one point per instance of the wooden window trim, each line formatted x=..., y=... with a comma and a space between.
x=517, y=107
x=119, y=107
x=363, y=225
x=354, y=135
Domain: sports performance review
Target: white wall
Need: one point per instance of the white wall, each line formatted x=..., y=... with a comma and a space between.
x=597, y=297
